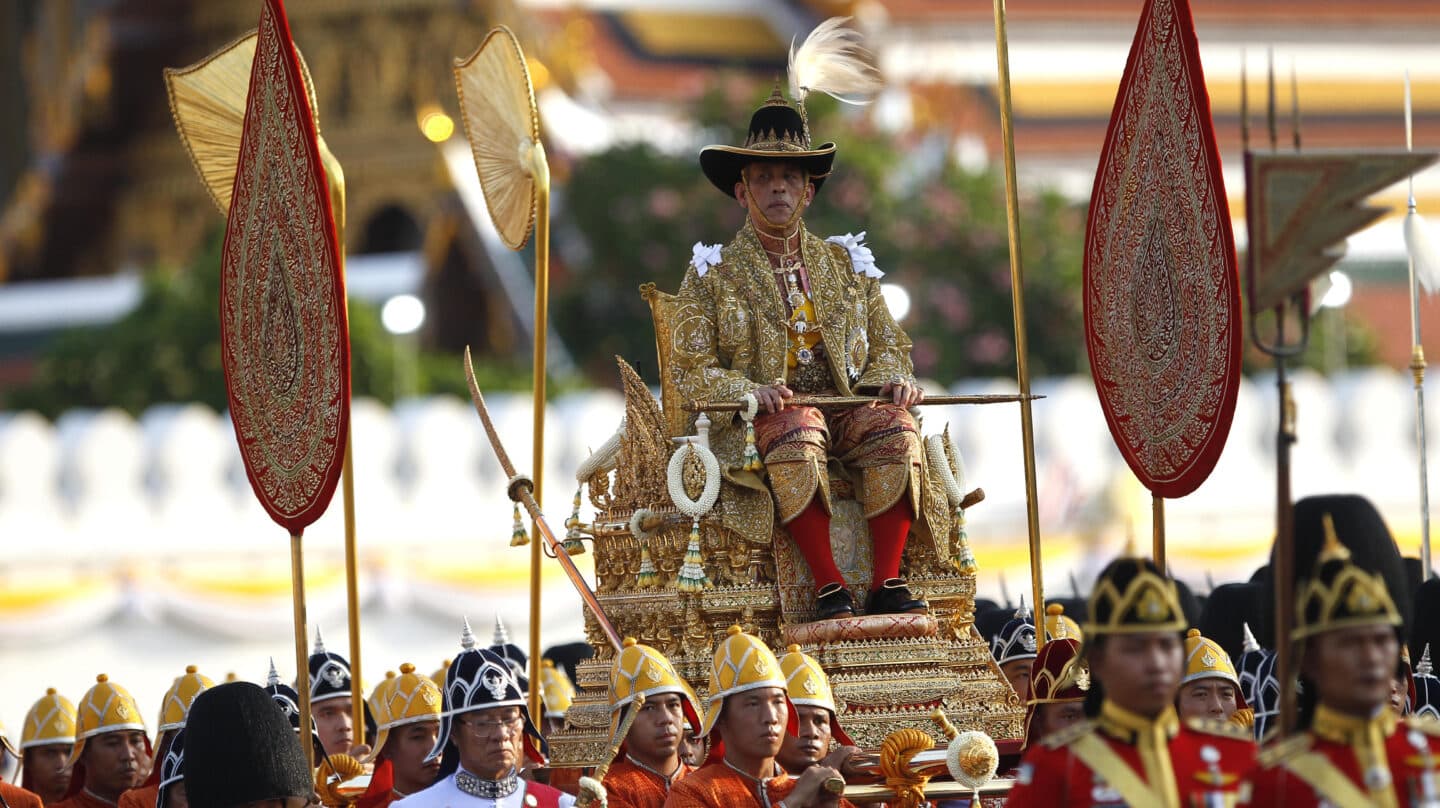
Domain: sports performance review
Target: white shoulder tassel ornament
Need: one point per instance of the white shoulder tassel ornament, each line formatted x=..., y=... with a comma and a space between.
x=832, y=61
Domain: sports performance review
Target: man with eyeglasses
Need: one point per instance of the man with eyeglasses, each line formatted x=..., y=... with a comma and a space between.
x=486, y=736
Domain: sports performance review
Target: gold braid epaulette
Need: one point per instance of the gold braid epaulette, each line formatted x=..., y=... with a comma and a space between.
x=1423, y=725
x=1064, y=737
x=1225, y=729
x=1277, y=752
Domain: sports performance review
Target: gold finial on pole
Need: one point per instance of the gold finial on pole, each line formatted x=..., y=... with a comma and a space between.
x=1017, y=302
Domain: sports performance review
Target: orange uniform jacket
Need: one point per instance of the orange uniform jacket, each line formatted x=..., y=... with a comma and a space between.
x=17, y=797
x=1383, y=762
x=83, y=799
x=142, y=797
x=628, y=785
x=716, y=785
x=1122, y=759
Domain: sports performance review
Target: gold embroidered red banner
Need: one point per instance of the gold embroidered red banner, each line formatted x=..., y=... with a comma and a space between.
x=284, y=335
x=1162, y=292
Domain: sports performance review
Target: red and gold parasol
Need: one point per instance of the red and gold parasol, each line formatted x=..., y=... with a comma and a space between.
x=1162, y=289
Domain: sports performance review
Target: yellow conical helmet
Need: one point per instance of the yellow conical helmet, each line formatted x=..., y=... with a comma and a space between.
x=742, y=663
x=379, y=704
x=1059, y=625
x=176, y=704
x=409, y=698
x=556, y=691
x=640, y=669
x=51, y=720
x=438, y=677
x=1205, y=659
x=106, y=707
x=806, y=684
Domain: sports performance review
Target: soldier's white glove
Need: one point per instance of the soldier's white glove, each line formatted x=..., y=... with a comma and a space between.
x=592, y=794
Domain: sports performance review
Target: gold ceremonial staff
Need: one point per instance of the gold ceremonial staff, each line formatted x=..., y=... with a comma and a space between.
x=1017, y=300
x=854, y=401
x=497, y=107
x=207, y=102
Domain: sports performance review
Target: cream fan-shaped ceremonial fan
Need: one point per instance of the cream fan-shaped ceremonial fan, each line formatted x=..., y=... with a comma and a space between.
x=207, y=101
x=497, y=107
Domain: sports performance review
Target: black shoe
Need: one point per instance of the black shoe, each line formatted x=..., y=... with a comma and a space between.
x=893, y=597
x=834, y=600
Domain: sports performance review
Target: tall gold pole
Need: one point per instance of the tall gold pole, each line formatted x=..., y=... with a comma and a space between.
x=335, y=178
x=541, y=172
x=302, y=656
x=1017, y=299
x=1157, y=549
x=352, y=589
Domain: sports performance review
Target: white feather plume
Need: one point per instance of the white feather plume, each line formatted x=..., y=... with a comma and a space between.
x=1422, y=252
x=832, y=61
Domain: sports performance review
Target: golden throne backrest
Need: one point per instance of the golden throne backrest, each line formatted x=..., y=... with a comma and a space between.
x=662, y=312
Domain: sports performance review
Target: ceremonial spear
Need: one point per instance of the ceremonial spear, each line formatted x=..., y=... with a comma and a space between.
x=1017, y=305
x=521, y=489
x=1297, y=207
x=1424, y=269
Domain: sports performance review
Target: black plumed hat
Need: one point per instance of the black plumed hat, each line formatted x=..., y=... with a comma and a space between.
x=239, y=748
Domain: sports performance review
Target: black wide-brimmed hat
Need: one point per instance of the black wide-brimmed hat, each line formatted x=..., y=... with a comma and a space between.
x=240, y=749
x=777, y=133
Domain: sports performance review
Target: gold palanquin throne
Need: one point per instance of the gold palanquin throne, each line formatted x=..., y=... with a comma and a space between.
x=887, y=672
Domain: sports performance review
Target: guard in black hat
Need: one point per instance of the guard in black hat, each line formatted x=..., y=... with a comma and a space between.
x=486, y=737
x=1134, y=750
x=172, y=774
x=514, y=656
x=288, y=701
x=330, y=700
x=240, y=750
x=1013, y=649
x=1352, y=748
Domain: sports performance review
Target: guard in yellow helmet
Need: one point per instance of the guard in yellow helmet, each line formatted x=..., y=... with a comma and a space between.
x=45, y=743
x=1210, y=687
x=746, y=718
x=648, y=764
x=818, y=720
x=112, y=752
x=557, y=693
x=14, y=796
x=438, y=677
x=173, y=710
x=1059, y=625
x=406, y=709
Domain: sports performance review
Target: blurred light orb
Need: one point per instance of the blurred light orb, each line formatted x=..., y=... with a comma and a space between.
x=403, y=314
x=435, y=124
x=897, y=299
x=1339, y=292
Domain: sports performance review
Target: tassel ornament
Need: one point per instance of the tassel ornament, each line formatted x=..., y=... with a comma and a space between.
x=572, y=544
x=692, y=577
x=518, y=538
